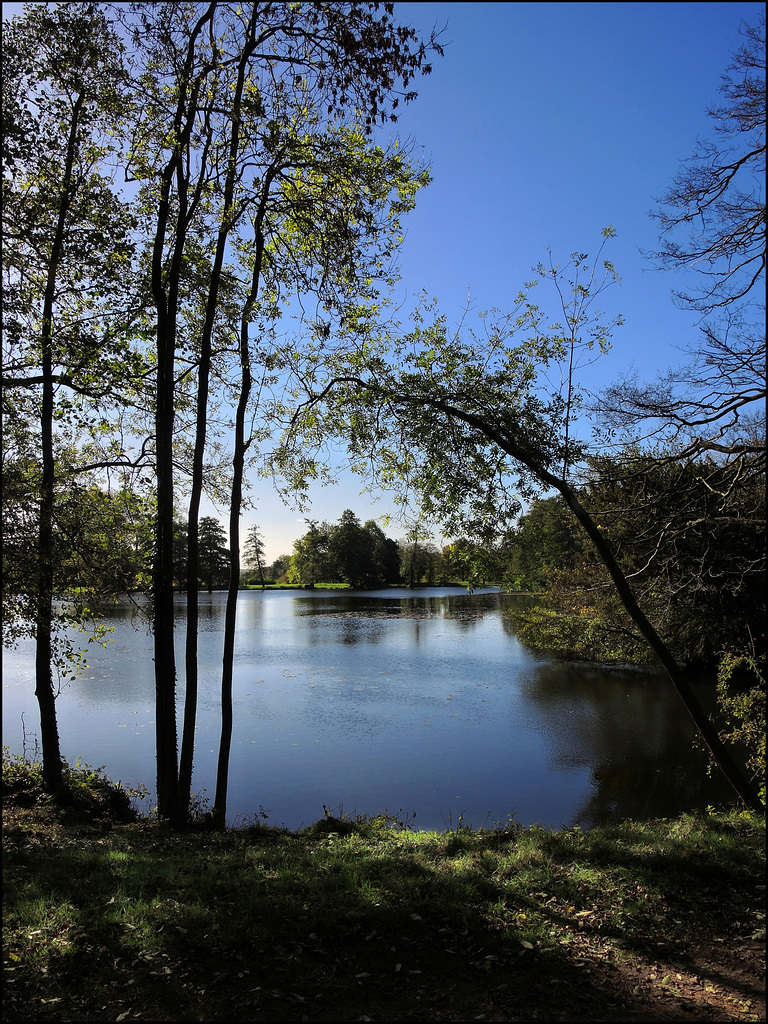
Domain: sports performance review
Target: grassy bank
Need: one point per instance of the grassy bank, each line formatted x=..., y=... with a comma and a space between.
x=111, y=919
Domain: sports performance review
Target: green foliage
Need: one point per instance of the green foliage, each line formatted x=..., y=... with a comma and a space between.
x=65, y=83
x=101, y=547
x=546, y=539
x=213, y=554
x=248, y=133
x=691, y=545
x=70, y=364
x=213, y=557
x=457, y=425
x=86, y=790
x=309, y=562
x=691, y=538
x=385, y=555
x=351, y=552
x=420, y=559
x=578, y=633
x=277, y=571
x=741, y=696
x=346, y=553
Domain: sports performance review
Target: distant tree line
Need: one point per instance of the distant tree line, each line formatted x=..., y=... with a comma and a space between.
x=361, y=555
x=696, y=560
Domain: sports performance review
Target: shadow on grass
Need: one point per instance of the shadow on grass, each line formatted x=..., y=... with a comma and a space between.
x=341, y=923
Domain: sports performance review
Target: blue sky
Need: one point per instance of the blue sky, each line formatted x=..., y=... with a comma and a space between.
x=546, y=122
x=542, y=124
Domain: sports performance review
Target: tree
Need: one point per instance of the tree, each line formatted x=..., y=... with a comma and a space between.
x=254, y=554
x=384, y=553
x=213, y=559
x=268, y=153
x=174, y=180
x=710, y=413
x=477, y=562
x=66, y=261
x=180, y=547
x=545, y=539
x=465, y=424
x=459, y=558
x=413, y=565
x=102, y=541
x=717, y=197
x=350, y=549
x=278, y=570
x=258, y=182
x=310, y=562
x=693, y=569
x=695, y=559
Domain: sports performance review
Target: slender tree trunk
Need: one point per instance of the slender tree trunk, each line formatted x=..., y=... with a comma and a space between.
x=166, y=302
x=204, y=369
x=165, y=293
x=412, y=568
x=165, y=658
x=238, y=464
x=49, y=731
x=230, y=619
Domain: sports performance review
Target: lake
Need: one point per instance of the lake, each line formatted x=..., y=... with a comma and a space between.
x=417, y=701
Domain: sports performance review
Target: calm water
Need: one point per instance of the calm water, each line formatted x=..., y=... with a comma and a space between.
x=422, y=701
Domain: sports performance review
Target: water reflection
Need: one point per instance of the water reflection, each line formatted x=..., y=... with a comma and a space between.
x=629, y=728
x=425, y=701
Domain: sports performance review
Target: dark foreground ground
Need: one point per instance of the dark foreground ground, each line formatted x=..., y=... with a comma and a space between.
x=111, y=919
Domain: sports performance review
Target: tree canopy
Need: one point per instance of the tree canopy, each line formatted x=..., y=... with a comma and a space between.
x=245, y=138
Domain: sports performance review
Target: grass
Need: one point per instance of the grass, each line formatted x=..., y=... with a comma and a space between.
x=367, y=919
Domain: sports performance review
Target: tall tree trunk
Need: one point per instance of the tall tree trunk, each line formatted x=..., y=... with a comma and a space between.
x=230, y=619
x=166, y=302
x=165, y=293
x=165, y=657
x=238, y=464
x=204, y=369
x=49, y=731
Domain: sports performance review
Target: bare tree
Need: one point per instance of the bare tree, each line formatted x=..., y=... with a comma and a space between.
x=718, y=195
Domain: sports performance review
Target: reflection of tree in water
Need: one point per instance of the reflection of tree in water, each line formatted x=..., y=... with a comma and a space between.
x=134, y=609
x=250, y=613
x=356, y=631
x=460, y=607
x=631, y=731
x=333, y=627
x=513, y=603
x=359, y=611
